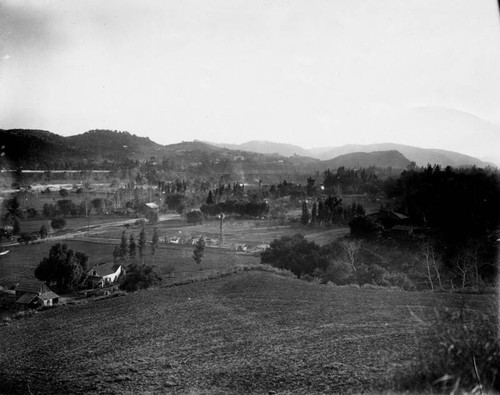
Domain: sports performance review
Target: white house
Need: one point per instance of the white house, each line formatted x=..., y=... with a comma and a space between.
x=102, y=275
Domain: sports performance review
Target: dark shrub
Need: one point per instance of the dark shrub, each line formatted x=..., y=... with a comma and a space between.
x=194, y=217
x=362, y=226
x=139, y=277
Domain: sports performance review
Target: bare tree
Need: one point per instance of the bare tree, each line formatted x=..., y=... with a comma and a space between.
x=428, y=259
x=351, y=248
x=473, y=256
x=464, y=267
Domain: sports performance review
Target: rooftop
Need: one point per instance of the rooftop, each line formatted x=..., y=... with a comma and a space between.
x=32, y=286
x=104, y=270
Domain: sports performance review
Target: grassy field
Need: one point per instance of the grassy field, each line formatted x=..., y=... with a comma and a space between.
x=253, y=332
x=249, y=232
x=22, y=260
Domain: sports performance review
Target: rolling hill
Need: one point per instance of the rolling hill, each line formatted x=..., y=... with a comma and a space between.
x=382, y=159
x=37, y=149
x=267, y=147
x=111, y=145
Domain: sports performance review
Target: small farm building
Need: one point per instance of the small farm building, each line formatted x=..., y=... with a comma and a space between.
x=32, y=294
x=153, y=206
x=241, y=247
x=102, y=275
x=389, y=219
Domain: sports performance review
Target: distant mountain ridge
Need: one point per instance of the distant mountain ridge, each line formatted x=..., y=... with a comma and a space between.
x=421, y=156
x=38, y=149
x=266, y=147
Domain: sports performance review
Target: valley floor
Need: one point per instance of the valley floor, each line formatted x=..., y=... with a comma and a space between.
x=253, y=332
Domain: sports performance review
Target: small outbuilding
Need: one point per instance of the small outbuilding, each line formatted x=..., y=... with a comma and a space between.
x=389, y=219
x=241, y=247
x=33, y=294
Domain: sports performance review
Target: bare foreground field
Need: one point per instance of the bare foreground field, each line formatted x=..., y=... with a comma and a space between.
x=252, y=332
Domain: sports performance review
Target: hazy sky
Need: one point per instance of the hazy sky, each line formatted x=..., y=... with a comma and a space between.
x=312, y=73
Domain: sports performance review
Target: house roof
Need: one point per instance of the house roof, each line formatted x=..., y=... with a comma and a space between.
x=402, y=228
x=48, y=295
x=399, y=215
x=104, y=270
x=32, y=286
x=26, y=298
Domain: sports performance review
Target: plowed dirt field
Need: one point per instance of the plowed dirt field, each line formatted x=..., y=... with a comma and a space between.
x=253, y=332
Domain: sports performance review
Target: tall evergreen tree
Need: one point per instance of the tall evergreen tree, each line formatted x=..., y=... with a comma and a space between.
x=321, y=211
x=16, y=229
x=123, y=246
x=210, y=198
x=13, y=209
x=116, y=254
x=199, y=250
x=142, y=244
x=305, y=214
x=154, y=243
x=43, y=231
x=132, y=247
x=314, y=213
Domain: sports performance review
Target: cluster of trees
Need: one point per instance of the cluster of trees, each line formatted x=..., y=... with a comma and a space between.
x=67, y=207
x=341, y=262
x=140, y=277
x=178, y=186
x=63, y=267
x=345, y=181
x=194, y=217
x=175, y=202
x=330, y=211
x=130, y=249
x=296, y=254
x=285, y=188
x=242, y=208
x=461, y=204
x=223, y=191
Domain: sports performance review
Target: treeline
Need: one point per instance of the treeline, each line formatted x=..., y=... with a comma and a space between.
x=235, y=207
x=349, y=181
x=340, y=262
x=462, y=203
x=330, y=211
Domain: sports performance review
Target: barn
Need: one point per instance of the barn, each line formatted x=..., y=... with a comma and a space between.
x=33, y=294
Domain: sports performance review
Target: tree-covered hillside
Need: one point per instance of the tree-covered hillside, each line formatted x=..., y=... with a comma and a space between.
x=37, y=149
x=114, y=145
